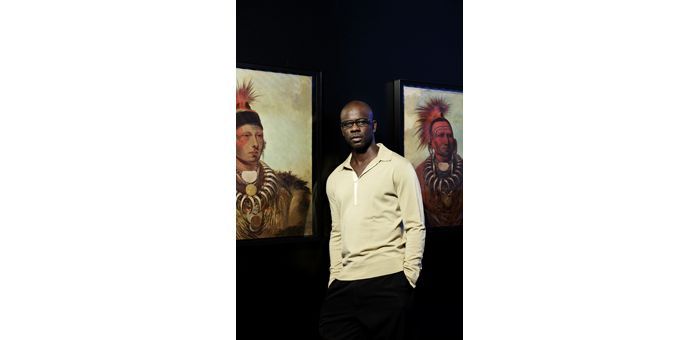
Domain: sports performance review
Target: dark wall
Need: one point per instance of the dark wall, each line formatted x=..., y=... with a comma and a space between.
x=359, y=47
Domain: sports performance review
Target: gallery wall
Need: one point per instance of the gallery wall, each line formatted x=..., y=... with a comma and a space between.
x=359, y=47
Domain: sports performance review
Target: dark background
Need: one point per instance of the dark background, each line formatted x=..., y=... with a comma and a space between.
x=359, y=47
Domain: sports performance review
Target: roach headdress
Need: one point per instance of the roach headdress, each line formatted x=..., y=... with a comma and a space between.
x=433, y=109
x=244, y=113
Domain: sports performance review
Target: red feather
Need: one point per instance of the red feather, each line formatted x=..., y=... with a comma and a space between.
x=245, y=95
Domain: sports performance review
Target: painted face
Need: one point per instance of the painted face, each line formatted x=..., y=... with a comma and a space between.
x=357, y=126
x=442, y=141
x=250, y=143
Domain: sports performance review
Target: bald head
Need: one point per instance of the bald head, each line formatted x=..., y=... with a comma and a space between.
x=358, y=106
x=357, y=125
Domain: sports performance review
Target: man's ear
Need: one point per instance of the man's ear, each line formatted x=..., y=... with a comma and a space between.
x=374, y=126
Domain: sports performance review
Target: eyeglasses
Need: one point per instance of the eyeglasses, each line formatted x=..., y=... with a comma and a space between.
x=349, y=123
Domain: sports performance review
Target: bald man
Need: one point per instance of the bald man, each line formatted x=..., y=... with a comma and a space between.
x=377, y=236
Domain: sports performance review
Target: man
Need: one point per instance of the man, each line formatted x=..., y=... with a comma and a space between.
x=269, y=203
x=377, y=236
x=440, y=174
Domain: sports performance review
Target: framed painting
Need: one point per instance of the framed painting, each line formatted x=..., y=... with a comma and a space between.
x=275, y=175
x=428, y=120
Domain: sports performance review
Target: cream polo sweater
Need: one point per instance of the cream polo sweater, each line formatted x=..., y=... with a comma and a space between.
x=368, y=238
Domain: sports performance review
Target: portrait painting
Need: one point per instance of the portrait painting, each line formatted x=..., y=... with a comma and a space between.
x=274, y=174
x=431, y=117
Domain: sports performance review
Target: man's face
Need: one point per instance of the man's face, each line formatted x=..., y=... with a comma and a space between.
x=360, y=134
x=442, y=141
x=249, y=143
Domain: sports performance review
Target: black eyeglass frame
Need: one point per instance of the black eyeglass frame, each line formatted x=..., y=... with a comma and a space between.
x=362, y=122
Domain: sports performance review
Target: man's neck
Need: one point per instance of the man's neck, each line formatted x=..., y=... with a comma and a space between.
x=361, y=158
x=246, y=166
x=442, y=158
x=366, y=155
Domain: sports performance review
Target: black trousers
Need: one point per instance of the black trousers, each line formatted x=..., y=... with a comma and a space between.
x=374, y=308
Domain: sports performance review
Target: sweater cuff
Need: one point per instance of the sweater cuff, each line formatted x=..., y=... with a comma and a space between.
x=412, y=276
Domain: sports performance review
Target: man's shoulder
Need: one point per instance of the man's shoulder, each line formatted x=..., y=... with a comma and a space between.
x=401, y=167
x=421, y=165
x=336, y=171
x=388, y=154
x=289, y=180
x=399, y=161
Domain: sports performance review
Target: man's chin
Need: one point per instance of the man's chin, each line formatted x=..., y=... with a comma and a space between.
x=250, y=160
x=359, y=146
x=445, y=156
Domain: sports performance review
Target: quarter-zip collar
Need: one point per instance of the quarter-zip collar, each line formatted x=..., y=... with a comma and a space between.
x=382, y=155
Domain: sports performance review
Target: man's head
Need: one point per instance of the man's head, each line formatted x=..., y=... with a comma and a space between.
x=442, y=140
x=357, y=125
x=250, y=142
x=434, y=130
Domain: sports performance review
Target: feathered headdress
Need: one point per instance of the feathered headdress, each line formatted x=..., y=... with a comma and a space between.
x=433, y=109
x=244, y=113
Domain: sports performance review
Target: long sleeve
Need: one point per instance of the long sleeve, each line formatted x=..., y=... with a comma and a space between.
x=411, y=204
x=335, y=243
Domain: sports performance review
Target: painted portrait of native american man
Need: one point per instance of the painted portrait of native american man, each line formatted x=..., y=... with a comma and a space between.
x=432, y=144
x=270, y=202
